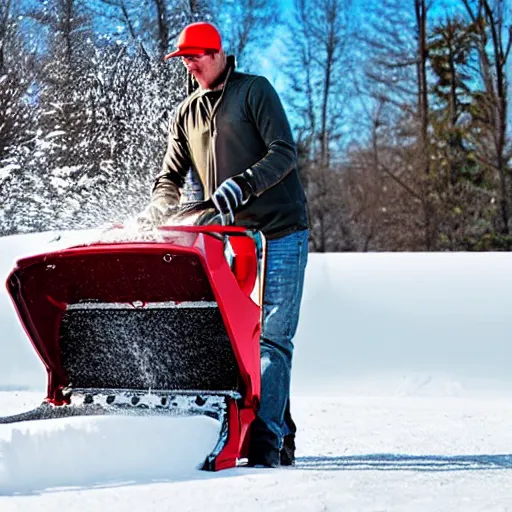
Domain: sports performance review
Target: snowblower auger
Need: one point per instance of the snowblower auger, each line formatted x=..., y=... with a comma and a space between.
x=169, y=325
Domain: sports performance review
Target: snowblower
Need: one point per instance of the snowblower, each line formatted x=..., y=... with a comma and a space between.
x=165, y=323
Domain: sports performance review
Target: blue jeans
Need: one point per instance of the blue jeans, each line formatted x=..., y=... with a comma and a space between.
x=284, y=279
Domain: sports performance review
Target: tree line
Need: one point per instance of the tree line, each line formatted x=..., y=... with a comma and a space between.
x=400, y=112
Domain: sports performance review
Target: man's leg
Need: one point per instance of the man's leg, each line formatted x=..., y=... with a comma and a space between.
x=284, y=279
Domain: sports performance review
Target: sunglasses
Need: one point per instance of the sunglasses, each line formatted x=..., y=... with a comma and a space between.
x=194, y=58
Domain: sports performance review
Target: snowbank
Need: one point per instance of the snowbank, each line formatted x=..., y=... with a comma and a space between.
x=87, y=451
x=376, y=323
x=406, y=324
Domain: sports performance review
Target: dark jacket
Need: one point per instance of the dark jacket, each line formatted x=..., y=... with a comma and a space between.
x=245, y=129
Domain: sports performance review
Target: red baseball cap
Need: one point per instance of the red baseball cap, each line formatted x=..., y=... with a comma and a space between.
x=197, y=39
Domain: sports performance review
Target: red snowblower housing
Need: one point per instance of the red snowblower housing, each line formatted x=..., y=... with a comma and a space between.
x=169, y=325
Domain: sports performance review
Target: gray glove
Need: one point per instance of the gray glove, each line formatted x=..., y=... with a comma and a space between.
x=155, y=215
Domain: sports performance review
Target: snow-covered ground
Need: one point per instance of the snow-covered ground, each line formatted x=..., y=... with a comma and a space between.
x=357, y=454
x=402, y=392
x=81, y=451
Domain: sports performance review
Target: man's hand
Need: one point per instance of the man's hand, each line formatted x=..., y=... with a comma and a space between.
x=155, y=215
x=229, y=196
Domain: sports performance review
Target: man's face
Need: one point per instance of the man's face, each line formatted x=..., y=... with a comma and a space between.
x=205, y=68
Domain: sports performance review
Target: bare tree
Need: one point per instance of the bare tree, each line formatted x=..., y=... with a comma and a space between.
x=120, y=11
x=18, y=115
x=420, y=9
x=396, y=77
x=5, y=23
x=494, y=46
x=317, y=61
x=385, y=210
x=246, y=25
x=162, y=19
x=16, y=74
x=152, y=25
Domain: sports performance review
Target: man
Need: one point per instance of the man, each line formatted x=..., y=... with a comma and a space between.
x=233, y=133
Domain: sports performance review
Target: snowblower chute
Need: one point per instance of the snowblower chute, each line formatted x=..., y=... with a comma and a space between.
x=169, y=325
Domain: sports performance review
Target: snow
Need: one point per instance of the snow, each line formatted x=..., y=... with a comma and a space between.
x=388, y=321
x=83, y=451
x=401, y=392
x=59, y=184
x=360, y=454
x=66, y=171
x=55, y=133
x=6, y=170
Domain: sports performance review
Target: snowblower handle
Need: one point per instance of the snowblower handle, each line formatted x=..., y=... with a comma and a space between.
x=196, y=206
x=209, y=213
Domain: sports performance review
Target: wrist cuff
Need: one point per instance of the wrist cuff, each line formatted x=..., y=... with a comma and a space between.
x=242, y=180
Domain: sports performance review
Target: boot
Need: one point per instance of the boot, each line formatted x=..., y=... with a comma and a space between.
x=287, y=454
x=263, y=446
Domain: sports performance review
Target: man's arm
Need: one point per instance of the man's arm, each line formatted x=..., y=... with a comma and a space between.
x=266, y=111
x=175, y=166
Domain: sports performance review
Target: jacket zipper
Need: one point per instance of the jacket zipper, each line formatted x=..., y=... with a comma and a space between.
x=214, y=155
x=212, y=173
